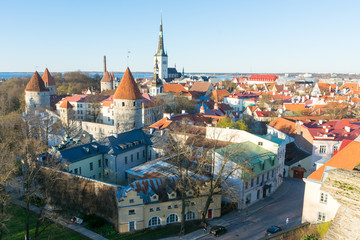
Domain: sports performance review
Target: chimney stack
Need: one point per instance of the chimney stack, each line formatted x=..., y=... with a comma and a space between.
x=104, y=64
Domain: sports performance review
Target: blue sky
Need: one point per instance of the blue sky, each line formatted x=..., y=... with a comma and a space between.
x=201, y=36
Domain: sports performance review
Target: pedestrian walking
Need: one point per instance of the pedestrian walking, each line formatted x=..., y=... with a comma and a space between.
x=205, y=227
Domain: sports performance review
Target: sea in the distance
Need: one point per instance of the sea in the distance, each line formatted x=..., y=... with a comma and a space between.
x=7, y=75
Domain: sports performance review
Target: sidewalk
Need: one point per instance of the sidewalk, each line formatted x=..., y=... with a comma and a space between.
x=238, y=215
x=67, y=224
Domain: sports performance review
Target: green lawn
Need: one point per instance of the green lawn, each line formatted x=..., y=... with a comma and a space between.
x=107, y=230
x=16, y=227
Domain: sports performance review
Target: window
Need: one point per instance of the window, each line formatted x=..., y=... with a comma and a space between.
x=106, y=162
x=252, y=182
x=125, y=160
x=93, y=177
x=99, y=175
x=131, y=212
x=143, y=153
x=336, y=148
x=189, y=216
x=99, y=163
x=258, y=194
x=172, y=218
x=79, y=170
x=260, y=143
x=323, y=198
x=154, y=221
x=132, y=158
x=170, y=207
x=151, y=209
x=134, y=103
x=91, y=166
x=176, y=206
x=257, y=180
x=76, y=171
x=321, y=217
x=322, y=149
x=158, y=209
x=246, y=185
x=272, y=173
x=138, y=155
x=123, y=104
x=131, y=201
x=192, y=203
x=267, y=175
x=132, y=226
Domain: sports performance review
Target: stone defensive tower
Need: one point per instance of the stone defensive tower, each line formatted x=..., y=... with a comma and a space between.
x=127, y=105
x=49, y=82
x=36, y=94
x=106, y=82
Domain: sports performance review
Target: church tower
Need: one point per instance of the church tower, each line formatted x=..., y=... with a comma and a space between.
x=161, y=56
x=36, y=94
x=156, y=83
x=49, y=82
x=127, y=105
x=106, y=82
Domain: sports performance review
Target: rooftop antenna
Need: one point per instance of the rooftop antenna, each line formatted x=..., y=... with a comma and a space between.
x=128, y=55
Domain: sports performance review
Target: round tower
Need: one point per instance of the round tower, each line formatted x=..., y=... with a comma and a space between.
x=49, y=82
x=36, y=94
x=127, y=105
x=106, y=82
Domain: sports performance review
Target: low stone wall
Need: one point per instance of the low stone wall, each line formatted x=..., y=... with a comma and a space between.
x=72, y=192
x=344, y=186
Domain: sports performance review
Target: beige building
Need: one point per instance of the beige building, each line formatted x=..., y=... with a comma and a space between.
x=155, y=202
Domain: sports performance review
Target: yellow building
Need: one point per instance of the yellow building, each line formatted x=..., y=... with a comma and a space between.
x=156, y=202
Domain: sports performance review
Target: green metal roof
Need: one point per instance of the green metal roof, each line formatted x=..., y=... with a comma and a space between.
x=257, y=158
x=272, y=138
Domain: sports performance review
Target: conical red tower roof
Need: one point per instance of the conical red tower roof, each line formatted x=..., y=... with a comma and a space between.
x=46, y=77
x=36, y=84
x=127, y=88
x=106, y=77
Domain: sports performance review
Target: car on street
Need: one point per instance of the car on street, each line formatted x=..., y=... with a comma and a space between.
x=218, y=230
x=273, y=229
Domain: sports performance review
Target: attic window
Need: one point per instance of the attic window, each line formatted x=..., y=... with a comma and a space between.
x=173, y=194
x=260, y=143
x=158, y=209
x=131, y=201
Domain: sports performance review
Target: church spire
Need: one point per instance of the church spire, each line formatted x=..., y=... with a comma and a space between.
x=161, y=51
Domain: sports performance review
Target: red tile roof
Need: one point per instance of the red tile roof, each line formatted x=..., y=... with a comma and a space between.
x=36, y=84
x=333, y=130
x=127, y=88
x=295, y=107
x=106, y=77
x=264, y=78
x=161, y=124
x=347, y=158
x=265, y=113
x=219, y=94
x=47, y=78
x=200, y=86
x=284, y=125
x=172, y=87
x=66, y=104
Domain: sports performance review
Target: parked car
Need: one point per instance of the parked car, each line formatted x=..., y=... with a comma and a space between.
x=218, y=230
x=271, y=230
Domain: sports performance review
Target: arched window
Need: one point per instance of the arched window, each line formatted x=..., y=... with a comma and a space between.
x=189, y=216
x=172, y=218
x=154, y=221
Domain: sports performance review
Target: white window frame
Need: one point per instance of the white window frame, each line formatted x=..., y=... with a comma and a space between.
x=323, y=197
x=322, y=149
x=158, y=222
x=175, y=220
x=190, y=215
x=321, y=217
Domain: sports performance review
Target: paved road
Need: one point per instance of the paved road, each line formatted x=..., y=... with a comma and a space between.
x=286, y=201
